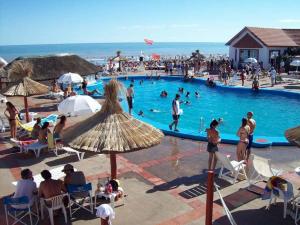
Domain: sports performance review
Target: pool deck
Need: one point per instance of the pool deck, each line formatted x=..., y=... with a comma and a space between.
x=165, y=184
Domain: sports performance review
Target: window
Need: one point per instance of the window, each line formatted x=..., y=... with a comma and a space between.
x=248, y=53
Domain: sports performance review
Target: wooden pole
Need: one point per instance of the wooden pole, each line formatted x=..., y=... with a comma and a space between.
x=113, y=166
x=26, y=109
x=209, y=197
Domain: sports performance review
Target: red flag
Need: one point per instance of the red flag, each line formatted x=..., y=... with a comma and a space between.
x=148, y=41
x=155, y=56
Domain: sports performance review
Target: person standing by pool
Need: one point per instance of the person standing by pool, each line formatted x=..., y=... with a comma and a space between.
x=175, y=112
x=273, y=76
x=11, y=114
x=213, y=138
x=129, y=95
x=243, y=133
x=252, y=124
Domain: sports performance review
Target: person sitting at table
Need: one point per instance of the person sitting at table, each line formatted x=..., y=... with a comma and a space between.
x=25, y=187
x=59, y=127
x=50, y=187
x=73, y=177
x=36, y=129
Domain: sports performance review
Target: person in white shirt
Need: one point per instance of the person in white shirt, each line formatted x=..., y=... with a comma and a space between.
x=176, y=111
x=26, y=187
x=273, y=76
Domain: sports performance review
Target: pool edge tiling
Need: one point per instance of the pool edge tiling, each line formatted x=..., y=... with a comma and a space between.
x=258, y=141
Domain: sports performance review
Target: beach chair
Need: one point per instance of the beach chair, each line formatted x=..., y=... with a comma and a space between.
x=78, y=194
x=286, y=196
x=53, y=203
x=262, y=169
x=234, y=168
x=69, y=150
x=19, y=214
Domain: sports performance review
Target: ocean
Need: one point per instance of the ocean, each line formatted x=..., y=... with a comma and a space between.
x=100, y=51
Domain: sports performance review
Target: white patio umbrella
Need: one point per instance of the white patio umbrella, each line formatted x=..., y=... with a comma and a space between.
x=250, y=60
x=2, y=62
x=69, y=78
x=296, y=63
x=79, y=105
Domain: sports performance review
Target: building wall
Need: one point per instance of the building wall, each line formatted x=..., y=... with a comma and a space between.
x=263, y=55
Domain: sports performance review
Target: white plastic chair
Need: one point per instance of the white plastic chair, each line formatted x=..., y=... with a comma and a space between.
x=286, y=196
x=36, y=148
x=52, y=204
x=235, y=168
x=262, y=169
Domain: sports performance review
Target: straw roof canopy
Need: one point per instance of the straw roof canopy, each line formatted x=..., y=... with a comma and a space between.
x=51, y=67
x=22, y=85
x=111, y=130
x=293, y=135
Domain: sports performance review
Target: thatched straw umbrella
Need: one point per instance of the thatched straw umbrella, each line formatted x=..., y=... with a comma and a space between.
x=19, y=74
x=112, y=131
x=293, y=135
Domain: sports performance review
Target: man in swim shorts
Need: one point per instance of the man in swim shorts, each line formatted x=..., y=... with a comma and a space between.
x=175, y=112
x=252, y=124
x=130, y=94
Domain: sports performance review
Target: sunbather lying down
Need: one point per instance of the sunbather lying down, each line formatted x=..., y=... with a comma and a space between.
x=86, y=92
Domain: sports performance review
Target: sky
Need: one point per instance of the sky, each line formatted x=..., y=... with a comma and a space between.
x=105, y=21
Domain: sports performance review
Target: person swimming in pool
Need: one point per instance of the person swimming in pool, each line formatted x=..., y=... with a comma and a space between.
x=154, y=110
x=197, y=94
x=180, y=90
x=164, y=94
x=141, y=113
x=187, y=94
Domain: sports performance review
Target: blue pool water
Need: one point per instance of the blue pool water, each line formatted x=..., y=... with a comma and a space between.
x=274, y=112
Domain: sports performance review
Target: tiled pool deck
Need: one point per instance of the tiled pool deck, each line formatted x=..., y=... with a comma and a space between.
x=165, y=184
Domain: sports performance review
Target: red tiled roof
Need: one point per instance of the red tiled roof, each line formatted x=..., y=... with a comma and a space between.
x=272, y=37
x=247, y=42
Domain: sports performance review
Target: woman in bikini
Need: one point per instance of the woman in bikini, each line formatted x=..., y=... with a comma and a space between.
x=11, y=114
x=243, y=133
x=59, y=127
x=213, y=138
x=43, y=133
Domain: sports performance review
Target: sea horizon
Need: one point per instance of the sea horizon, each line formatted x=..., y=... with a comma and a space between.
x=104, y=50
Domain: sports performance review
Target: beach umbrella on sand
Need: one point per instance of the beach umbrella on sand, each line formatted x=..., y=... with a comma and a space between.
x=19, y=74
x=296, y=63
x=70, y=78
x=250, y=60
x=2, y=62
x=112, y=131
x=79, y=105
x=293, y=135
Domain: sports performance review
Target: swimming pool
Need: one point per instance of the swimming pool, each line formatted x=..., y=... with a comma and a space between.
x=274, y=111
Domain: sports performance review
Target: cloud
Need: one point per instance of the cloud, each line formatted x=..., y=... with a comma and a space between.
x=289, y=21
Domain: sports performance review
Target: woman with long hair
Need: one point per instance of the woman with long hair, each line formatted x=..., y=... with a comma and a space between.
x=213, y=138
x=43, y=133
x=59, y=127
x=11, y=114
x=243, y=133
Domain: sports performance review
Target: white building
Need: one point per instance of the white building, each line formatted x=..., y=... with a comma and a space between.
x=264, y=44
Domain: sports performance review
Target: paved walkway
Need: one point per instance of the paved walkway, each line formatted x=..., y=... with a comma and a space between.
x=165, y=184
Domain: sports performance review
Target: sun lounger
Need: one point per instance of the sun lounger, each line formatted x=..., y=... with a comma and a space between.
x=56, y=174
x=36, y=148
x=69, y=150
x=21, y=144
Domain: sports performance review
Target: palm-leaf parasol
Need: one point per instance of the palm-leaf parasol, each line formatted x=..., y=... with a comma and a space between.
x=111, y=130
x=293, y=135
x=19, y=74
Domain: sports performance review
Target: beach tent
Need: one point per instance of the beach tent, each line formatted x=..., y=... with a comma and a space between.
x=70, y=78
x=19, y=74
x=79, y=105
x=148, y=41
x=112, y=131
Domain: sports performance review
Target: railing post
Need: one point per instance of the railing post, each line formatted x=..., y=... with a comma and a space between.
x=209, y=197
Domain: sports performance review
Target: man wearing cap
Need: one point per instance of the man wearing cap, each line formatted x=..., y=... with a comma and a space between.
x=252, y=124
x=73, y=177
